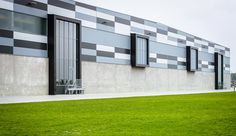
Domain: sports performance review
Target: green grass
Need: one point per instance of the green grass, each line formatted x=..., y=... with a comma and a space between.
x=200, y=114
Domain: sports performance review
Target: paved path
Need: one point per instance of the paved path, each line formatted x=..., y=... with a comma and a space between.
x=27, y=99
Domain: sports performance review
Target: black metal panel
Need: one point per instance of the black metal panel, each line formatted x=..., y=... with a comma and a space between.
x=30, y=44
x=133, y=50
x=188, y=58
x=52, y=49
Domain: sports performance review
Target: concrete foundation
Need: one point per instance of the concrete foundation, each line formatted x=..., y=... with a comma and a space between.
x=21, y=75
x=111, y=78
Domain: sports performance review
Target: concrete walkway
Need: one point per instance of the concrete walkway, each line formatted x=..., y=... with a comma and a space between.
x=27, y=99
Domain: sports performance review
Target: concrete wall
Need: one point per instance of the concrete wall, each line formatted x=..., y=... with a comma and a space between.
x=112, y=78
x=21, y=75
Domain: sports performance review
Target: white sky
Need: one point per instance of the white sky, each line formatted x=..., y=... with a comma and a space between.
x=214, y=20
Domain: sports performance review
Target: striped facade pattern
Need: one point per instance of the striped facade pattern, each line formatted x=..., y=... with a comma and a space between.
x=106, y=36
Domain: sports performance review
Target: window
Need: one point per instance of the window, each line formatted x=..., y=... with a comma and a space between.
x=192, y=58
x=6, y=19
x=22, y=23
x=139, y=50
x=219, y=81
x=29, y=24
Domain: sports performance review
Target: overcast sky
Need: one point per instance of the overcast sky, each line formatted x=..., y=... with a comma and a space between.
x=214, y=20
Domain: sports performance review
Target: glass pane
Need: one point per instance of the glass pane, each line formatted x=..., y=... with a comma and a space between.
x=219, y=71
x=193, y=59
x=65, y=52
x=6, y=19
x=141, y=51
x=29, y=24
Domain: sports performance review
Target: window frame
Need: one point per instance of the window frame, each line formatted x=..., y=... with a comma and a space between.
x=134, y=38
x=189, y=59
x=216, y=70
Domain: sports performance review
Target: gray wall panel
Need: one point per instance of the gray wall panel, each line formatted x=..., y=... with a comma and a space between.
x=167, y=49
x=6, y=41
x=105, y=38
x=30, y=52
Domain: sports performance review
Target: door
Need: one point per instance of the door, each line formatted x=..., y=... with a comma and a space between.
x=64, y=57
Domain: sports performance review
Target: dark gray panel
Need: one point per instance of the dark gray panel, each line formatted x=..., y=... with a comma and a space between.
x=211, y=44
x=105, y=22
x=62, y=4
x=204, y=46
x=122, y=21
x=121, y=50
x=88, y=45
x=198, y=38
x=181, y=41
x=182, y=63
x=86, y=6
x=173, y=30
x=32, y=4
x=204, y=66
x=162, y=31
x=105, y=54
x=6, y=33
x=88, y=58
x=162, y=56
x=6, y=49
x=227, y=49
x=29, y=44
x=137, y=20
x=189, y=39
x=152, y=60
x=170, y=66
x=150, y=33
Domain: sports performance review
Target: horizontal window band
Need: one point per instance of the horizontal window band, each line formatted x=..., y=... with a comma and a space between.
x=88, y=58
x=6, y=49
x=105, y=22
x=121, y=50
x=105, y=54
x=32, y=4
x=29, y=44
x=62, y=4
x=88, y=45
x=6, y=33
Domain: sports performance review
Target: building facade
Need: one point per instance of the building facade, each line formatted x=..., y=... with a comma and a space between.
x=46, y=44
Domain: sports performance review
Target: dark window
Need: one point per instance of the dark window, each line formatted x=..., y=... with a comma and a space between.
x=139, y=50
x=6, y=19
x=22, y=23
x=29, y=24
x=219, y=81
x=192, y=58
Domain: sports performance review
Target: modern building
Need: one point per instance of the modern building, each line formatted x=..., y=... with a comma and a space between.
x=47, y=44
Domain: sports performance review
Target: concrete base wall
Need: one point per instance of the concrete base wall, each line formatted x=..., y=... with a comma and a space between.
x=21, y=75
x=111, y=78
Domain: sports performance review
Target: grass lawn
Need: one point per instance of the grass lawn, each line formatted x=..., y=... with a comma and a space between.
x=199, y=114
